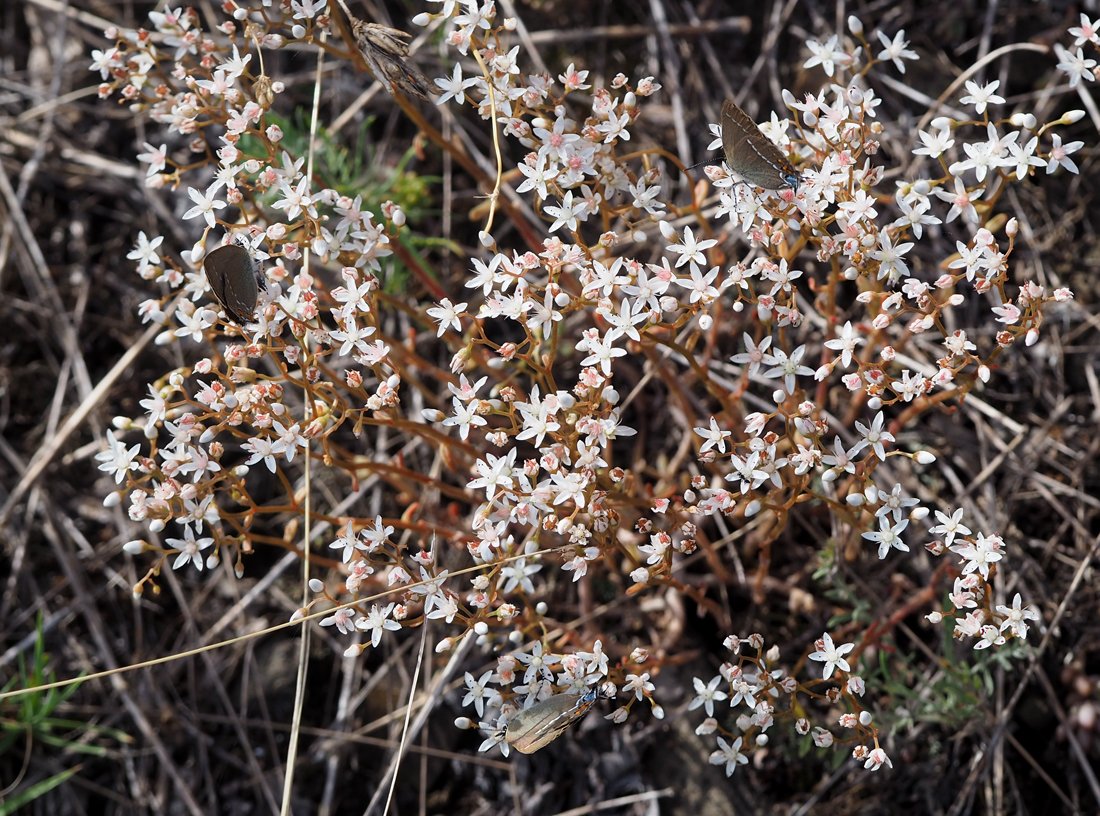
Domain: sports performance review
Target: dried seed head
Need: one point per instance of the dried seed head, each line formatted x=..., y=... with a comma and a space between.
x=261, y=91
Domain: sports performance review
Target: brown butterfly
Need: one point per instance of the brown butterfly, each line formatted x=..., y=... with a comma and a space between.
x=387, y=56
x=229, y=269
x=750, y=153
x=545, y=721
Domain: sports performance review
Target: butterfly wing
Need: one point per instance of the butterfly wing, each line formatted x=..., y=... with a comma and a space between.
x=545, y=721
x=751, y=154
x=229, y=271
x=387, y=55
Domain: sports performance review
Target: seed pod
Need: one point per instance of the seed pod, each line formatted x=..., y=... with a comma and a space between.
x=751, y=154
x=233, y=281
x=545, y=721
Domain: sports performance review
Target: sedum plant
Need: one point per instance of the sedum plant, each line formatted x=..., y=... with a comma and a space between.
x=802, y=334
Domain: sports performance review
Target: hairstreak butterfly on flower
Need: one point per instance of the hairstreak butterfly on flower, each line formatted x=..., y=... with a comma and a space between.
x=751, y=154
x=387, y=56
x=229, y=269
x=545, y=721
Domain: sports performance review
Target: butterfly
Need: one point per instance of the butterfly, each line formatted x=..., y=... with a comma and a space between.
x=229, y=269
x=535, y=727
x=387, y=56
x=751, y=154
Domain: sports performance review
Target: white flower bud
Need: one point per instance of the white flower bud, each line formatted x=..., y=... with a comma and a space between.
x=444, y=645
x=855, y=25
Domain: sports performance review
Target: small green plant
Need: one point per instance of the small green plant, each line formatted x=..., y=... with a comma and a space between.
x=31, y=722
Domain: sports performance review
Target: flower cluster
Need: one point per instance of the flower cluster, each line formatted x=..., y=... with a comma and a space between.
x=524, y=678
x=843, y=337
